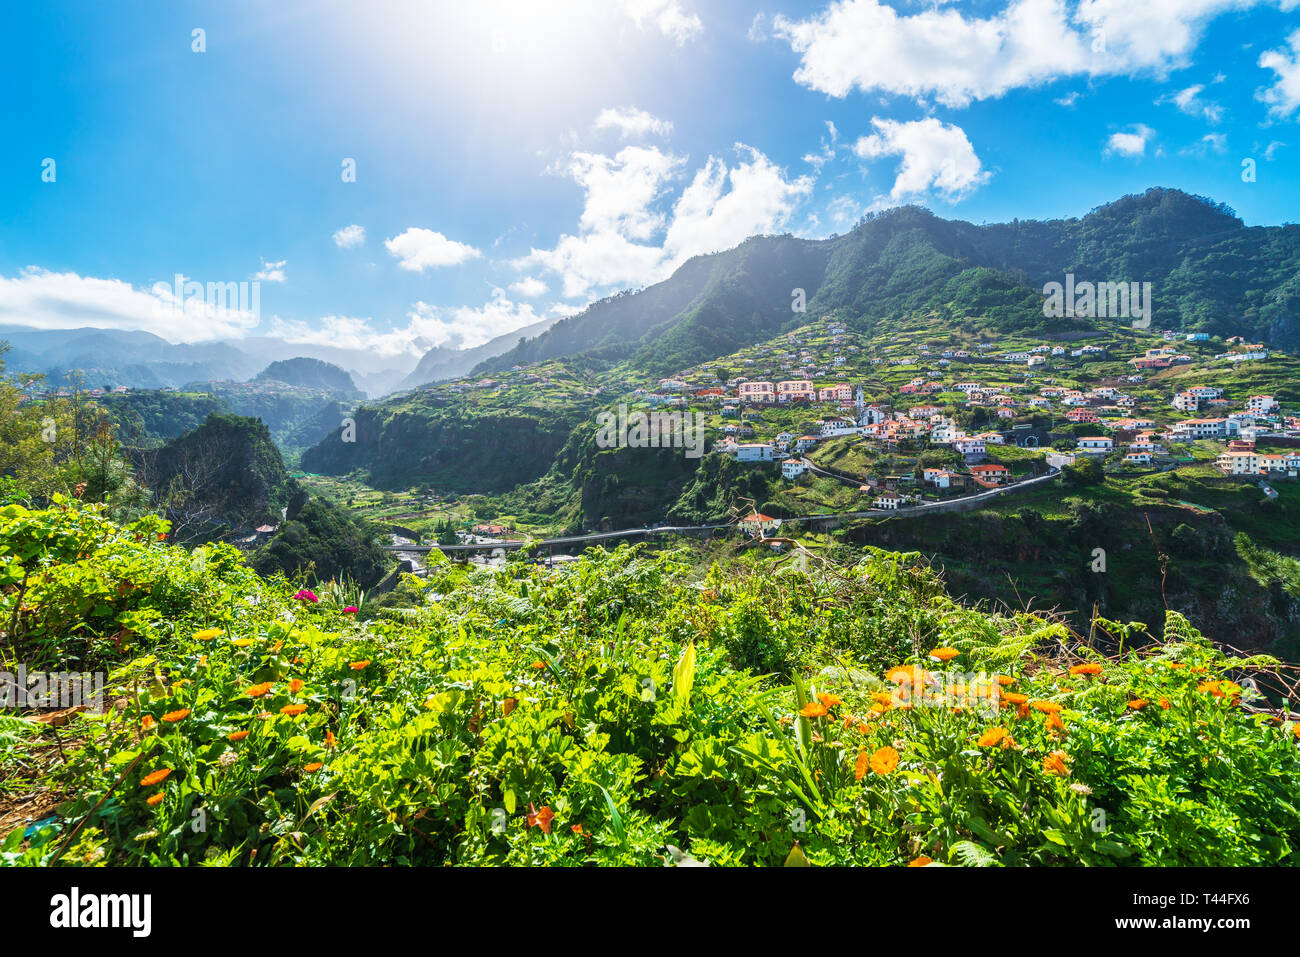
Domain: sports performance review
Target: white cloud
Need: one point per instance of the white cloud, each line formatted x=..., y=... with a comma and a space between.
x=935, y=157
x=426, y=327
x=1283, y=97
x=350, y=236
x=271, y=272
x=1272, y=148
x=709, y=217
x=622, y=189
x=530, y=287
x=1067, y=100
x=48, y=300
x=419, y=249
x=668, y=15
x=630, y=122
x=867, y=45
x=626, y=238
x=1189, y=101
x=943, y=54
x=1130, y=143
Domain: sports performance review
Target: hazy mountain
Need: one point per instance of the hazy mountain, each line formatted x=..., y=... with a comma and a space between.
x=442, y=363
x=309, y=373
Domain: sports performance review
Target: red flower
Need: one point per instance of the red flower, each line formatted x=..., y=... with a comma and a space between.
x=541, y=818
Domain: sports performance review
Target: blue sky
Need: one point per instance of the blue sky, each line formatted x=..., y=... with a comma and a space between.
x=515, y=159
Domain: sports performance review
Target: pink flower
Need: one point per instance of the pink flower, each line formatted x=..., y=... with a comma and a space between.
x=350, y=610
x=307, y=595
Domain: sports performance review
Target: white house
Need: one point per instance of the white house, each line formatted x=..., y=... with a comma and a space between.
x=793, y=468
x=755, y=452
x=1096, y=443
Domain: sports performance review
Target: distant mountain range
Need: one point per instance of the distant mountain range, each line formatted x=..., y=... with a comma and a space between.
x=142, y=360
x=1209, y=272
x=440, y=364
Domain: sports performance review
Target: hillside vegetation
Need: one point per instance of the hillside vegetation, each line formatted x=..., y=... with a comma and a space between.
x=627, y=709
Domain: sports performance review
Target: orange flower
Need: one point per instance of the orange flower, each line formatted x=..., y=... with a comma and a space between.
x=358, y=665
x=541, y=818
x=920, y=861
x=945, y=654
x=1054, y=763
x=813, y=709
x=1210, y=686
x=1164, y=703
x=295, y=686
x=264, y=715
x=237, y=736
x=539, y=665
x=313, y=767
x=1175, y=665
x=1090, y=668
x=258, y=691
x=1295, y=729
x=155, y=798
x=901, y=673
x=860, y=766
x=153, y=777
x=884, y=760
x=293, y=710
x=829, y=700
x=1005, y=680
x=1014, y=697
x=1053, y=722
x=1137, y=704
x=576, y=829
x=171, y=717
x=1047, y=707
x=147, y=722
x=992, y=737
x=330, y=740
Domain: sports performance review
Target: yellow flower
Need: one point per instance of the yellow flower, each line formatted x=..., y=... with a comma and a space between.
x=242, y=642
x=207, y=634
x=1054, y=763
x=884, y=760
x=813, y=709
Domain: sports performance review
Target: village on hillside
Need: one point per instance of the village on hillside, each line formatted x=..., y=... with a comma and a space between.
x=981, y=418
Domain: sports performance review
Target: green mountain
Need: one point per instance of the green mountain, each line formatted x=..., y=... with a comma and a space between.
x=310, y=374
x=225, y=474
x=1208, y=271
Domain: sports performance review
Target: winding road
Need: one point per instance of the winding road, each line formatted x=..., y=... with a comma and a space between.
x=978, y=499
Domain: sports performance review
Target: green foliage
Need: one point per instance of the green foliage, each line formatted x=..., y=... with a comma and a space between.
x=323, y=542
x=599, y=714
